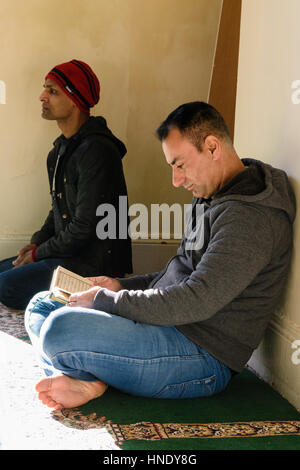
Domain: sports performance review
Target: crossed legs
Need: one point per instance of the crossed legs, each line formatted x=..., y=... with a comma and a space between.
x=82, y=350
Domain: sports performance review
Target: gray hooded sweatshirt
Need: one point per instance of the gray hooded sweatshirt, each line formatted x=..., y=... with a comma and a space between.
x=221, y=295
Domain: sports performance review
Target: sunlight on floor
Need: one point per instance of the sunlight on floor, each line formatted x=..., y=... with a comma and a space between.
x=26, y=424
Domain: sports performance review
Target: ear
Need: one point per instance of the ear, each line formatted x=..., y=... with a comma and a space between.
x=213, y=146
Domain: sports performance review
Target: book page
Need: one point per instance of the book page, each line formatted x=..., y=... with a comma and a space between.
x=70, y=282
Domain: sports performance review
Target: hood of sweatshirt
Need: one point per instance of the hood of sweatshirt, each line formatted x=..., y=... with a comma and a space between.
x=261, y=184
x=93, y=126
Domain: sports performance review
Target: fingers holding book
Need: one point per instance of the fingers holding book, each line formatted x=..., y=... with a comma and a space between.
x=83, y=299
x=86, y=298
x=106, y=282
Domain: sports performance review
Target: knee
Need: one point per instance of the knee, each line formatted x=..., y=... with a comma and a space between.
x=34, y=308
x=34, y=303
x=37, y=299
x=56, y=331
x=12, y=291
x=7, y=289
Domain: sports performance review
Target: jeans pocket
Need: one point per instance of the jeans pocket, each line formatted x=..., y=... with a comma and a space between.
x=38, y=310
x=191, y=389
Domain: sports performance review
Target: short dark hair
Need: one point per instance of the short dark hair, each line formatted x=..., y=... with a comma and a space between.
x=195, y=120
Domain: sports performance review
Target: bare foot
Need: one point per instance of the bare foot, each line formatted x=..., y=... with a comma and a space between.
x=65, y=392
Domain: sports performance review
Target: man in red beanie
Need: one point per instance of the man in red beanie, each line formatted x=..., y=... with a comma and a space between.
x=85, y=170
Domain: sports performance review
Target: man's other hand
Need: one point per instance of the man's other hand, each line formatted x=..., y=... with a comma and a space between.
x=25, y=255
x=26, y=248
x=26, y=258
x=107, y=282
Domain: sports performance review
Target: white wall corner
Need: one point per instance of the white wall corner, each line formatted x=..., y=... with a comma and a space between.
x=277, y=359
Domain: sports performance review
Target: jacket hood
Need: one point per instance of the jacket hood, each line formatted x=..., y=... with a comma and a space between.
x=95, y=126
x=261, y=184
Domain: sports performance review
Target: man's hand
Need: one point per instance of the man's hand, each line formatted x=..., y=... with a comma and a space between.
x=84, y=299
x=24, y=259
x=25, y=255
x=107, y=282
x=26, y=248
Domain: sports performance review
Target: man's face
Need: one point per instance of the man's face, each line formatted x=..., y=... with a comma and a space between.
x=194, y=170
x=56, y=105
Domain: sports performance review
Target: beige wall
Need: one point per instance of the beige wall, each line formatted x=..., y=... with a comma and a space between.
x=150, y=57
x=267, y=128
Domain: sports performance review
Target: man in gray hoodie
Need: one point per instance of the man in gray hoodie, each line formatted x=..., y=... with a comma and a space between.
x=185, y=331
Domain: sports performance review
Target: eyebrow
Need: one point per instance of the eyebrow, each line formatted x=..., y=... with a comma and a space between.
x=50, y=86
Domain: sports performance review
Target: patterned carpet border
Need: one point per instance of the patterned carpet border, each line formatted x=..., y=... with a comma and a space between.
x=159, y=431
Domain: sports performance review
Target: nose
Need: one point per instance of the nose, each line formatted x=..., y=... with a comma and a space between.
x=178, y=177
x=43, y=96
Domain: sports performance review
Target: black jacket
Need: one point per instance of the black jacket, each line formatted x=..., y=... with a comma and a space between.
x=84, y=172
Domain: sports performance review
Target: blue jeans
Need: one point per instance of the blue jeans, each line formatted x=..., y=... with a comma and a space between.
x=18, y=285
x=137, y=358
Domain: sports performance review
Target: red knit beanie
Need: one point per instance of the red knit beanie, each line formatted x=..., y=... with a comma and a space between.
x=79, y=82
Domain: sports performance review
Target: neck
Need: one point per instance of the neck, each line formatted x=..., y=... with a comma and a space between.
x=72, y=124
x=234, y=166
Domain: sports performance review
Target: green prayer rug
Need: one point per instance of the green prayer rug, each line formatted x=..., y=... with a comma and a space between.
x=248, y=415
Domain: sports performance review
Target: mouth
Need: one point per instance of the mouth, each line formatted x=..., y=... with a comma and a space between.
x=190, y=187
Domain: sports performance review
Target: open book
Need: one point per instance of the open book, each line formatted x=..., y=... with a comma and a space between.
x=64, y=283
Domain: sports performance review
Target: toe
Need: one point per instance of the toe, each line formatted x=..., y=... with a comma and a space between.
x=44, y=385
x=58, y=407
x=47, y=400
x=53, y=404
x=44, y=397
